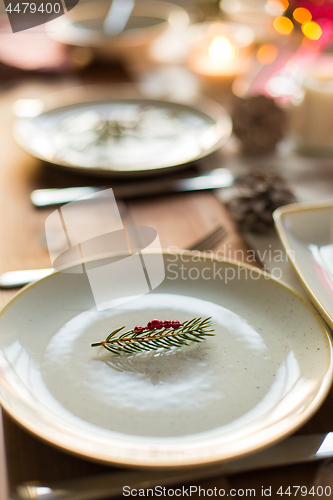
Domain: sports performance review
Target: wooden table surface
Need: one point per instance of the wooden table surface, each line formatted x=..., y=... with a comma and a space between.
x=179, y=219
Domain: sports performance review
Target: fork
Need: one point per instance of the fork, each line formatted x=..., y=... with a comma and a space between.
x=17, y=279
x=211, y=240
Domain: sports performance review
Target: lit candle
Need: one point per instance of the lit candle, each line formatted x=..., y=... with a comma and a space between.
x=218, y=51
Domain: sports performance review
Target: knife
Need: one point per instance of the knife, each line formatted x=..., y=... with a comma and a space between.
x=218, y=178
x=16, y=279
x=294, y=450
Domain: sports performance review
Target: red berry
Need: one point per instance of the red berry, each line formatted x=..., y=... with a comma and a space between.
x=167, y=323
x=156, y=323
x=176, y=324
x=138, y=329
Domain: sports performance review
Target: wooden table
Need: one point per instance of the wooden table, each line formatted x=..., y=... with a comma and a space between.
x=180, y=220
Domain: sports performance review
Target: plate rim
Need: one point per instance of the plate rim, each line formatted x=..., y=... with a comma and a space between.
x=72, y=36
x=216, y=455
x=278, y=217
x=202, y=106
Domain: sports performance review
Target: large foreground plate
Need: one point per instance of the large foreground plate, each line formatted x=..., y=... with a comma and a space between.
x=263, y=374
x=122, y=136
x=306, y=231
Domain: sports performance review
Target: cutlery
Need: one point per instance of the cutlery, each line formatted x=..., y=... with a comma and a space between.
x=294, y=450
x=210, y=241
x=17, y=279
x=218, y=178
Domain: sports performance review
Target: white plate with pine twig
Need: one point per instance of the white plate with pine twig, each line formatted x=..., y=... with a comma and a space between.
x=264, y=372
x=112, y=137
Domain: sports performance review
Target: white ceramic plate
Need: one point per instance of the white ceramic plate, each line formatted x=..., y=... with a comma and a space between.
x=306, y=231
x=85, y=26
x=123, y=136
x=263, y=374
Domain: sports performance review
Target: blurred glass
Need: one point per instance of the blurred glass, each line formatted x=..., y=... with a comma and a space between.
x=312, y=108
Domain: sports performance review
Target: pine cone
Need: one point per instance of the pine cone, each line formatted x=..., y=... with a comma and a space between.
x=259, y=124
x=258, y=196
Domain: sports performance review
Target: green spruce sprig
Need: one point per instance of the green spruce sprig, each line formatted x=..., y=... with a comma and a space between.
x=134, y=341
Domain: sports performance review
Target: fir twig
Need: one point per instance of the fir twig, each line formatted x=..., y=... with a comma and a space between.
x=134, y=341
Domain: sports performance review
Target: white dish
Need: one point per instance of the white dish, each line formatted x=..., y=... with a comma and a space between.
x=148, y=24
x=263, y=374
x=122, y=136
x=306, y=232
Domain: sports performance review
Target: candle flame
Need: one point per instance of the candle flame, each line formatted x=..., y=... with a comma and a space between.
x=221, y=49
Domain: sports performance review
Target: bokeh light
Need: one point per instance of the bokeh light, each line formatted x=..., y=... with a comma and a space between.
x=283, y=25
x=267, y=53
x=312, y=30
x=302, y=15
x=277, y=6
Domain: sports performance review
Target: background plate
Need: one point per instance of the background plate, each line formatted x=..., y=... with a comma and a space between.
x=265, y=372
x=122, y=136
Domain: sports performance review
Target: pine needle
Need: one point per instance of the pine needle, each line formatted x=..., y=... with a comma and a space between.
x=132, y=342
